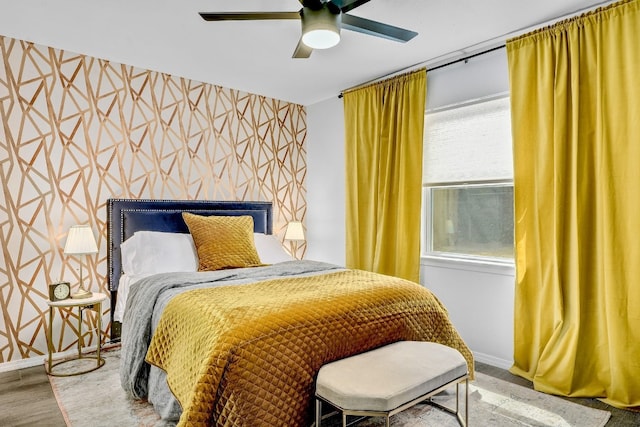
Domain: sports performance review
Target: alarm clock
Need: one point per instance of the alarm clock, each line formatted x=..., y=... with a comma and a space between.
x=59, y=291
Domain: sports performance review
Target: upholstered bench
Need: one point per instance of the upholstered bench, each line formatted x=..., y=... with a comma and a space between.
x=390, y=379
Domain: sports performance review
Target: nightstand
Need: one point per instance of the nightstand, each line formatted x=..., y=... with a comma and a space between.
x=92, y=303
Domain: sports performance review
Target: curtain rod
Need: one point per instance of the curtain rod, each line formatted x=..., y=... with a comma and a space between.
x=455, y=61
x=466, y=58
x=511, y=34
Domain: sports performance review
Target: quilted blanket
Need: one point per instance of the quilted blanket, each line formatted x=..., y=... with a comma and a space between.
x=148, y=298
x=247, y=355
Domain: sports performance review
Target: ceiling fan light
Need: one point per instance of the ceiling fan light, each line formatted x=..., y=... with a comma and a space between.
x=320, y=28
x=321, y=39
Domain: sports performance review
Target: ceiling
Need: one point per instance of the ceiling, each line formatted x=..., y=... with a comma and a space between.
x=255, y=56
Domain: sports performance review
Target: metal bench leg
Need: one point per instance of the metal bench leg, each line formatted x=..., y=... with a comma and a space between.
x=466, y=402
x=462, y=422
x=318, y=412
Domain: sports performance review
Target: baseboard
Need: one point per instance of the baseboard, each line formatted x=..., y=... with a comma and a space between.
x=492, y=360
x=41, y=360
x=22, y=363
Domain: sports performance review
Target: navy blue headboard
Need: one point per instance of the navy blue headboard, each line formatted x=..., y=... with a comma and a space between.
x=126, y=216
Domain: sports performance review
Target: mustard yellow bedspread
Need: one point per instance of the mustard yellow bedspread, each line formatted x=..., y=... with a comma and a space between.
x=247, y=355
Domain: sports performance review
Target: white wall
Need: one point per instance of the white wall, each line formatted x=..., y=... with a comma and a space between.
x=325, y=219
x=482, y=76
x=479, y=298
x=480, y=302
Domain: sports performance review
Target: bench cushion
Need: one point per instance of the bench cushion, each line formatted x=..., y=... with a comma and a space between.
x=390, y=376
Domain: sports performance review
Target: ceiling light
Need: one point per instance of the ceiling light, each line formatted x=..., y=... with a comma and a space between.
x=320, y=28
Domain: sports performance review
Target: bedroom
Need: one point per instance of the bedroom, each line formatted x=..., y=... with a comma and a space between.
x=316, y=197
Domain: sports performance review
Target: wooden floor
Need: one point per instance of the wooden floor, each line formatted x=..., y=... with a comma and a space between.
x=26, y=399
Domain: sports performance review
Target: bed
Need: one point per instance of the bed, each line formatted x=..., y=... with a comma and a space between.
x=127, y=216
x=241, y=346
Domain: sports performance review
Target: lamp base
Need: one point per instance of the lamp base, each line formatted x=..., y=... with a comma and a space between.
x=81, y=294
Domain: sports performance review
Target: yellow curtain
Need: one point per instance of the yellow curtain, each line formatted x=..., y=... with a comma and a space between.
x=575, y=97
x=383, y=137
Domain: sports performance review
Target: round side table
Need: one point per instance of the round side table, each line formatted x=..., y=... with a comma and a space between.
x=92, y=303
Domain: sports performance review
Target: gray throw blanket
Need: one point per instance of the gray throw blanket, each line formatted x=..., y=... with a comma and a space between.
x=148, y=297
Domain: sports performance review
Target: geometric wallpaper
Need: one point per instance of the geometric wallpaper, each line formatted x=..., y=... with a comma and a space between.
x=76, y=130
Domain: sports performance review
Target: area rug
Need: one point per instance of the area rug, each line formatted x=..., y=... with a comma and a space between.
x=96, y=399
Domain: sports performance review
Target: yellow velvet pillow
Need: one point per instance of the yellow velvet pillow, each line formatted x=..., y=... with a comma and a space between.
x=223, y=241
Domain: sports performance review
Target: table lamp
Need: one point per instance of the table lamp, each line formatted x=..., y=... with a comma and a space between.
x=81, y=241
x=295, y=231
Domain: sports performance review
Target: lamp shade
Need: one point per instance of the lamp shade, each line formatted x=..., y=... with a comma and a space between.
x=320, y=28
x=295, y=231
x=80, y=241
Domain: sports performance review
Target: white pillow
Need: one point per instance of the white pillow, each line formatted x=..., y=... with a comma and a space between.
x=153, y=252
x=270, y=250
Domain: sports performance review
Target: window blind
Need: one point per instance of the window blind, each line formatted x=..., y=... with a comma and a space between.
x=468, y=143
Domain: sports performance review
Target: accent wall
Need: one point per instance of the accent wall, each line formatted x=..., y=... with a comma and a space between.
x=77, y=130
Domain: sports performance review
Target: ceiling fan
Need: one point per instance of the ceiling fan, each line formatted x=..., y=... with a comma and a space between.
x=321, y=23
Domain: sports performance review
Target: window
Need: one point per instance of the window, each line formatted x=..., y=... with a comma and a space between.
x=468, y=182
x=472, y=220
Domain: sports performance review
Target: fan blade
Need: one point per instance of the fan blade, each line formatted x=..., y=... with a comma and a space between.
x=347, y=5
x=302, y=50
x=375, y=28
x=248, y=16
